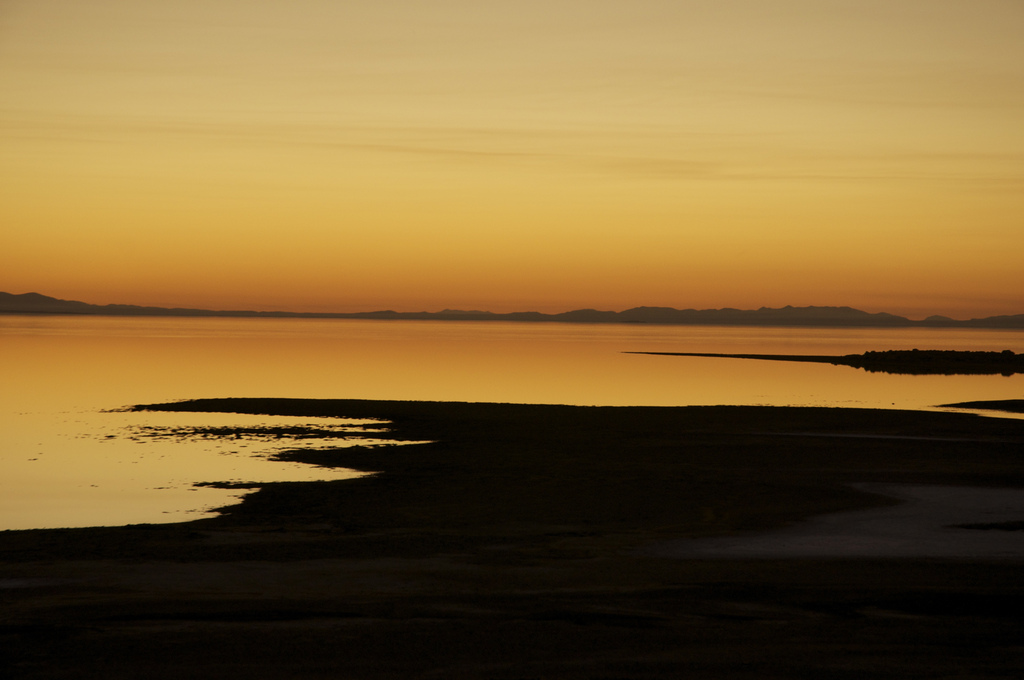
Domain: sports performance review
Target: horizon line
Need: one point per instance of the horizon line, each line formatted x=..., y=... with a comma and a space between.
x=846, y=312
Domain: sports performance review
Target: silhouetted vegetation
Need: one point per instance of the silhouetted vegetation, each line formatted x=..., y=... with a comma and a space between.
x=943, y=362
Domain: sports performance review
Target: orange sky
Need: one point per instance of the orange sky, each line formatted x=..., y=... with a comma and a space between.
x=321, y=155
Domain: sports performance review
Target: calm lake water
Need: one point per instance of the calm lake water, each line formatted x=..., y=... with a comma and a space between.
x=67, y=460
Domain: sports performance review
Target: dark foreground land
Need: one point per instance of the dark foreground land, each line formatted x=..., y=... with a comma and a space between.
x=522, y=543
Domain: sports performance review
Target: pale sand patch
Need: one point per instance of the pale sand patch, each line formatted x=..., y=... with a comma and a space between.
x=921, y=526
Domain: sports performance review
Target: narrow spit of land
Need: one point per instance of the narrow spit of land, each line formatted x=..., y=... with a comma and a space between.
x=521, y=542
x=903, y=362
x=1007, y=405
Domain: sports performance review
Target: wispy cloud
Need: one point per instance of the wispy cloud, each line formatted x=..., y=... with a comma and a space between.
x=674, y=153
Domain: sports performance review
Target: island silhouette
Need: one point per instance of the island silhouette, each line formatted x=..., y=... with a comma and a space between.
x=901, y=362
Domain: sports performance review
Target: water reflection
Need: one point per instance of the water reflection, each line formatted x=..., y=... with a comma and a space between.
x=106, y=468
x=59, y=467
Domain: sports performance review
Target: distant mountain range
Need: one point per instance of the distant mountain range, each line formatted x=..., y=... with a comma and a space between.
x=837, y=317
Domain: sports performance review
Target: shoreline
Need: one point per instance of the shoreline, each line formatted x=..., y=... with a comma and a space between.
x=513, y=545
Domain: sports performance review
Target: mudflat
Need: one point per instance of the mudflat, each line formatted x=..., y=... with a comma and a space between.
x=558, y=542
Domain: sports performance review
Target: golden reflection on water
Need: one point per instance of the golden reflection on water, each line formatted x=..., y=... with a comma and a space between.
x=60, y=372
x=100, y=468
x=106, y=362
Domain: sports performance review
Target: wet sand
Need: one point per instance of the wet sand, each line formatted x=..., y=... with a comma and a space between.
x=533, y=541
x=930, y=521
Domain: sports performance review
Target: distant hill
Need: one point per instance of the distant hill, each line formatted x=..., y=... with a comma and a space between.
x=837, y=317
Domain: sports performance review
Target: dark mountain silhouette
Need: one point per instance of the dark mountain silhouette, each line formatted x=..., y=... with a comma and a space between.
x=838, y=317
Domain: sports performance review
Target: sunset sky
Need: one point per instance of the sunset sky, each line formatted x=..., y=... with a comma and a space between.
x=334, y=155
